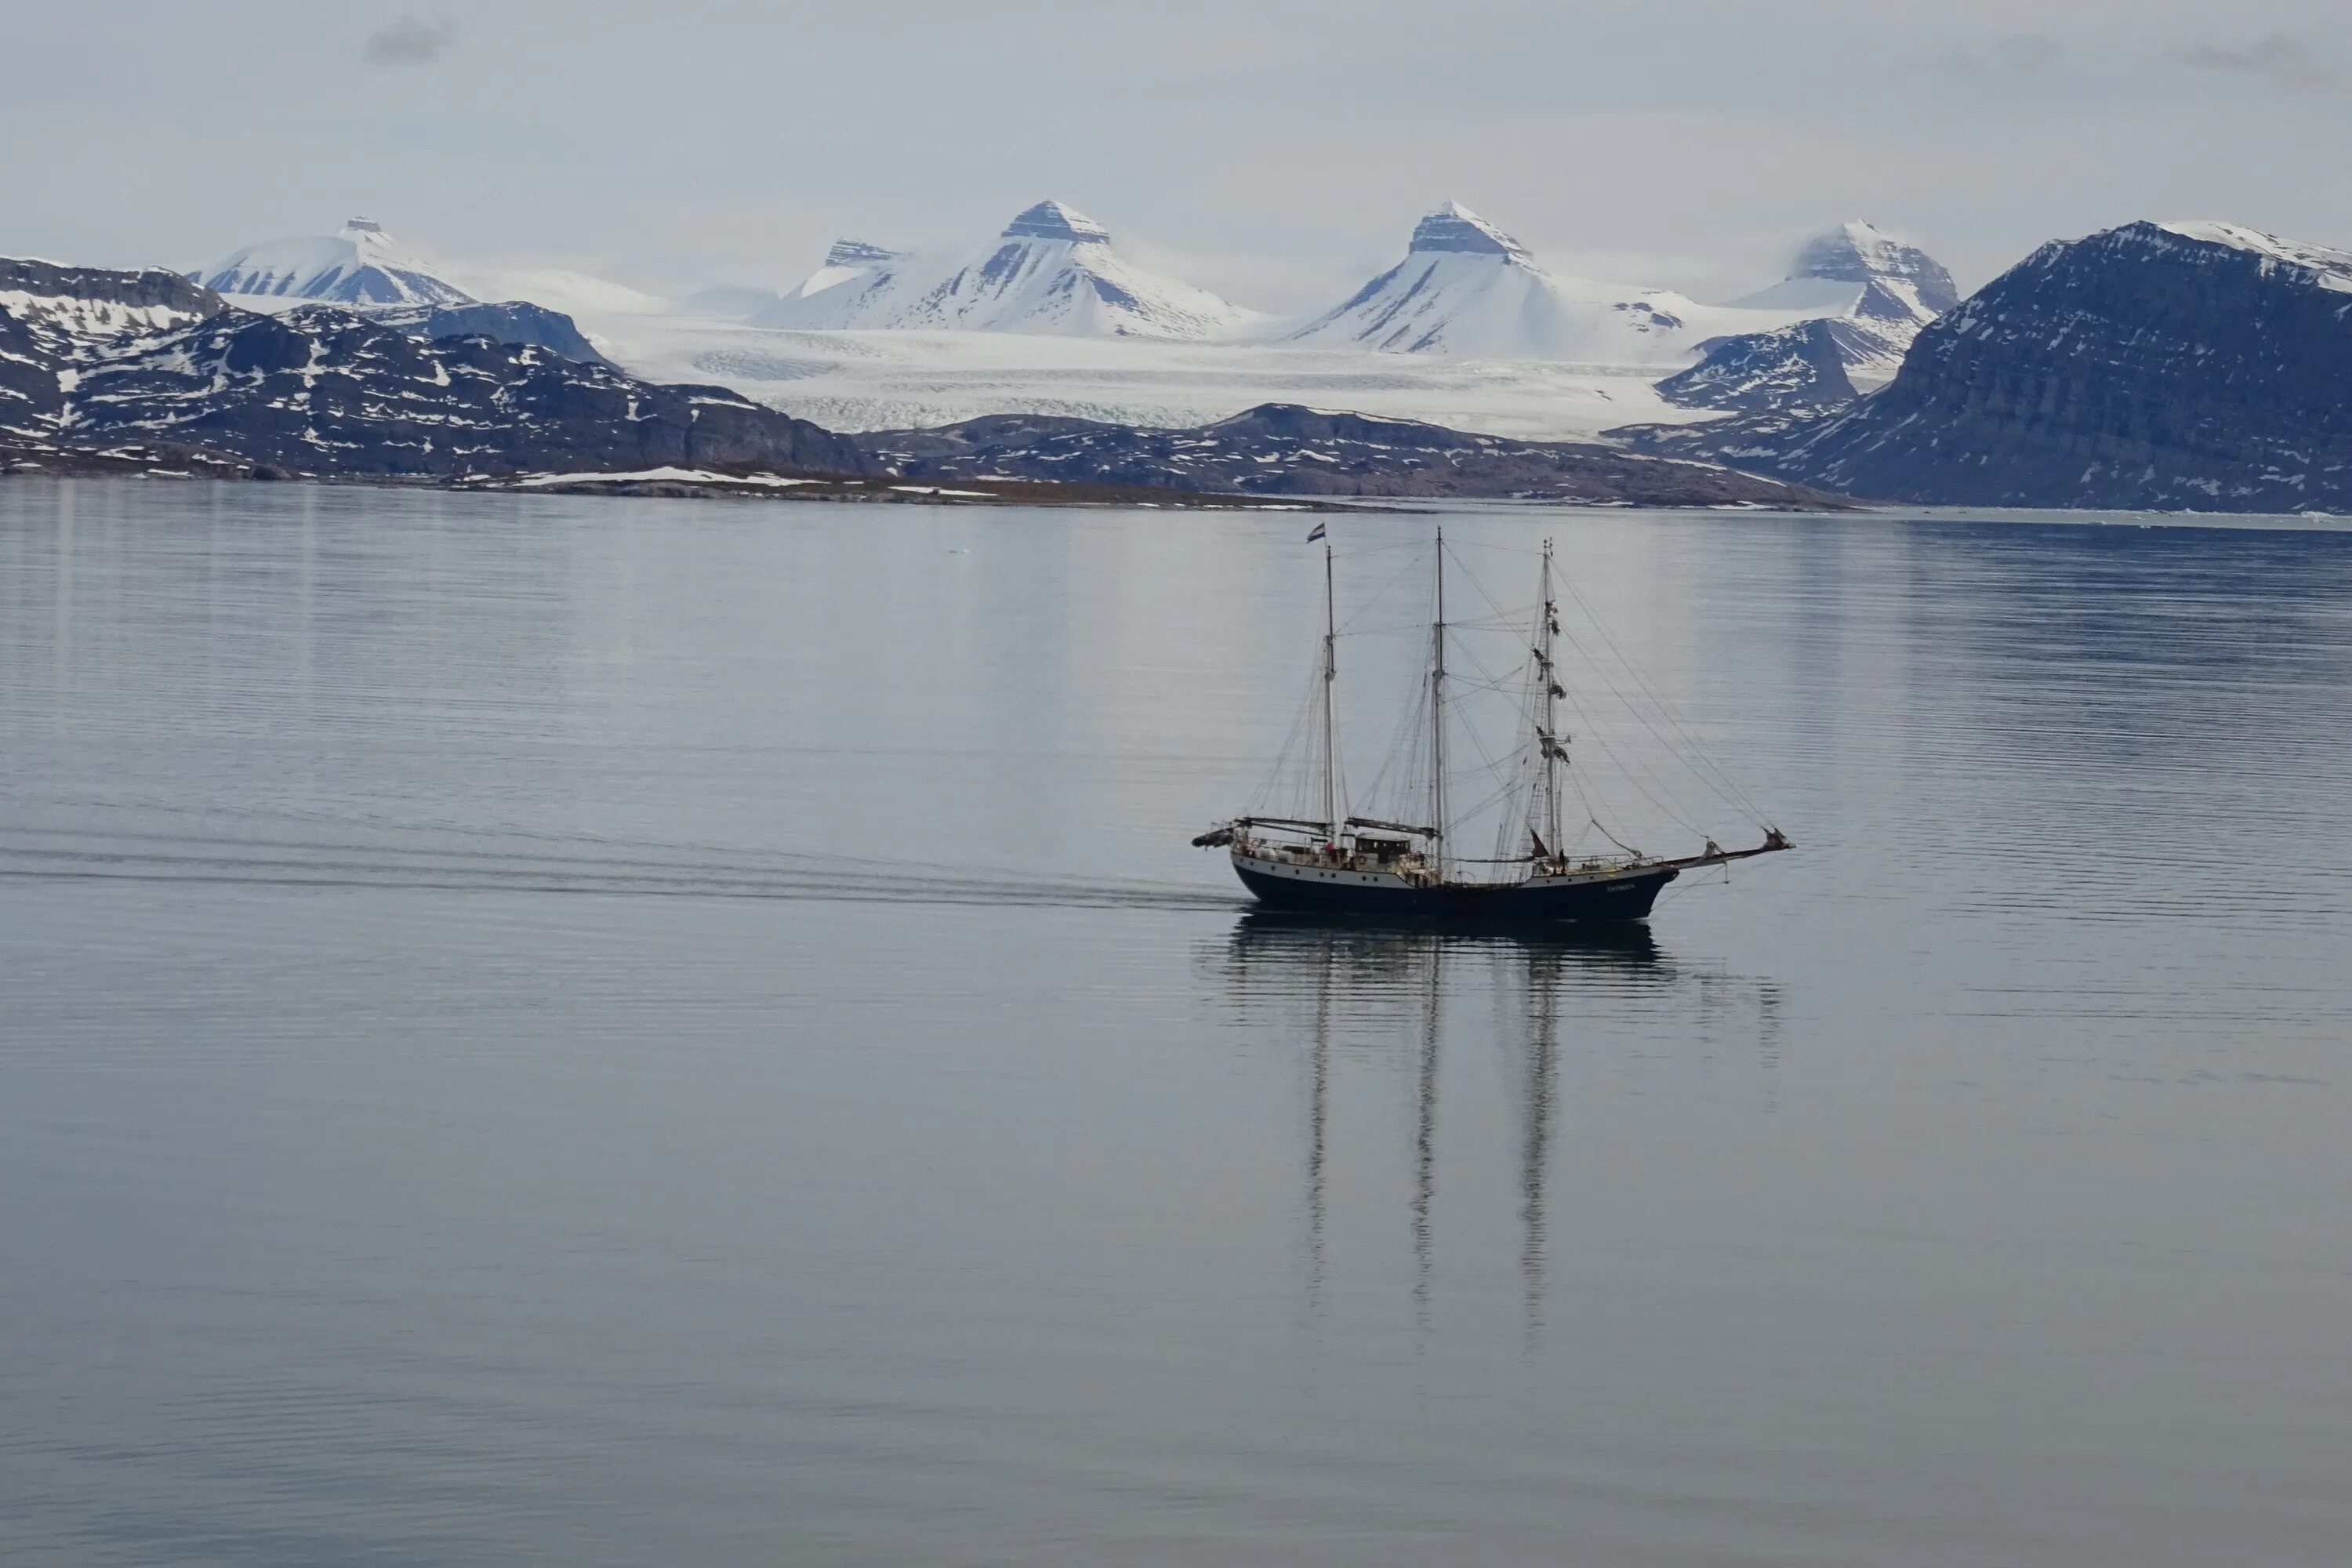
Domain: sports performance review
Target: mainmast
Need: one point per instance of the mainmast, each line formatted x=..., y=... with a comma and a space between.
x=1548, y=740
x=1437, y=721
x=1330, y=677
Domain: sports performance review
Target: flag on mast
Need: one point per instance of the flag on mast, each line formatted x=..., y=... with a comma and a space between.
x=1316, y=535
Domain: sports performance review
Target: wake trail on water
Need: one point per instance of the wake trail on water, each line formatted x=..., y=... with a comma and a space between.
x=549, y=863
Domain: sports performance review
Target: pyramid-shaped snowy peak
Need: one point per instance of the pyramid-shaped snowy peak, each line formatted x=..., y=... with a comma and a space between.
x=358, y=265
x=1464, y=287
x=1455, y=228
x=1053, y=269
x=859, y=253
x=1052, y=220
x=1855, y=271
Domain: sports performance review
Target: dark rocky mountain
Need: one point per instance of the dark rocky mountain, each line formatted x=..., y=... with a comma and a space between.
x=323, y=390
x=1799, y=366
x=1866, y=297
x=152, y=364
x=515, y=321
x=54, y=319
x=2198, y=366
x=1898, y=281
x=1284, y=449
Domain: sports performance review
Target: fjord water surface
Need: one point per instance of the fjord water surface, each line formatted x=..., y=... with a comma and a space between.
x=613, y=1032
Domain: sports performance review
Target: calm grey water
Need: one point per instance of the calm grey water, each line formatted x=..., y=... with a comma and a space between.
x=613, y=1032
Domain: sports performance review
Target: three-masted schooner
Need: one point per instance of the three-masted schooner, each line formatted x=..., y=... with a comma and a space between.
x=1336, y=863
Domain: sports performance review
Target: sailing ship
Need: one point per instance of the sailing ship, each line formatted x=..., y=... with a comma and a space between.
x=1330, y=861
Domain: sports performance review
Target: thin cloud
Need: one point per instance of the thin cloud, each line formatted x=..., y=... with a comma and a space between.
x=2012, y=55
x=411, y=41
x=2026, y=53
x=2282, y=60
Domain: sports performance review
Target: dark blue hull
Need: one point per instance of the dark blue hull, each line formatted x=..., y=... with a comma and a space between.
x=1619, y=899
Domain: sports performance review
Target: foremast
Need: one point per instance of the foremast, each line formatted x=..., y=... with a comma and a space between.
x=1544, y=819
x=1437, y=723
x=1331, y=812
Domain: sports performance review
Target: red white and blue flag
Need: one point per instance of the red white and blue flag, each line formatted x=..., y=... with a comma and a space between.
x=1316, y=535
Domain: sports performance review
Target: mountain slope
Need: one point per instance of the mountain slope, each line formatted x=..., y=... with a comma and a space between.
x=95, y=363
x=56, y=321
x=1466, y=288
x=515, y=321
x=1052, y=270
x=851, y=290
x=2197, y=365
x=1856, y=271
x=1864, y=298
x=323, y=390
x=1797, y=366
x=359, y=265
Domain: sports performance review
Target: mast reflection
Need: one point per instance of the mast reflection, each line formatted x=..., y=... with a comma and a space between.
x=1352, y=974
x=1543, y=978
x=1360, y=991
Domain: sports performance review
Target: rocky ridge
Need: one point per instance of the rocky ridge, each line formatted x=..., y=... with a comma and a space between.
x=1286, y=450
x=1863, y=298
x=2200, y=365
x=95, y=363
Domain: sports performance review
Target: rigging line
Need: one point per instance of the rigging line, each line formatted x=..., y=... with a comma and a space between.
x=1300, y=725
x=1633, y=774
x=1592, y=817
x=1600, y=672
x=1632, y=671
x=1404, y=756
x=1490, y=801
x=1623, y=767
x=1366, y=605
x=1487, y=544
x=1702, y=761
x=1502, y=616
x=1391, y=629
x=1492, y=768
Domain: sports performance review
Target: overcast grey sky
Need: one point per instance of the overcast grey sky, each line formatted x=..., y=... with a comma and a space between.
x=1274, y=149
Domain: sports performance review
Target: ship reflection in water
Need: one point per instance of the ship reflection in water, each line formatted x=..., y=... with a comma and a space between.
x=1512, y=1033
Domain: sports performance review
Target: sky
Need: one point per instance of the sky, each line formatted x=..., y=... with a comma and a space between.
x=1276, y=150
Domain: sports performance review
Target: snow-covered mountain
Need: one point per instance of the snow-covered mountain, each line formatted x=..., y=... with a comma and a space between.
x=1856, y=271
x=1862, y=299
x=1052, y=270
x=2202, y=365
x=1466, y=288
x=358, y=265
x=56, y=322
x=853, y=288
x=107, y=367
